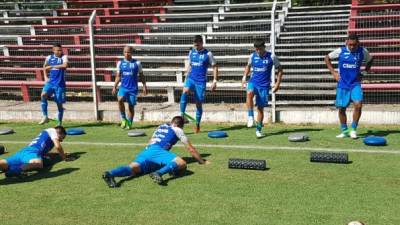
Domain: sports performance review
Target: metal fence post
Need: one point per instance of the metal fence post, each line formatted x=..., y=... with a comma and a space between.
x=93, y=66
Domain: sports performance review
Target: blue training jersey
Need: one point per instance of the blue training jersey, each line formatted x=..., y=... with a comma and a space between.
x=199, y=62
x=43, y=143
x=167, y=136
x=56, y=76
x=128, y=71
x=262, y=68
x=349, y=66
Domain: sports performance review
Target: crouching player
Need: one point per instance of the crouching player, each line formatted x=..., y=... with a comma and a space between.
x=31, y=157
x=156, y=159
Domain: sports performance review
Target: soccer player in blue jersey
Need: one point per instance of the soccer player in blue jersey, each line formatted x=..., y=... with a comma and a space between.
x=129, y=70
x=260, y=64
x=348, y=77
x=54, y=70
x=196, y=77
x=31, y=157
x=156, y=159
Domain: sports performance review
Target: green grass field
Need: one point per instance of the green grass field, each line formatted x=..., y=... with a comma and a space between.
x=293, y=191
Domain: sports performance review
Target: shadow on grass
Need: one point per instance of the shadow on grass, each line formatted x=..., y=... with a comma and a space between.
x=188, y=160
x=379, y=133
x=48, y=162
x=43, y=174
x=99, y=124
x=285, y=131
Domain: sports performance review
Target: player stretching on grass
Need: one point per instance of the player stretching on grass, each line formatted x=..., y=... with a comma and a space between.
x=56, y=66
x=31, y=157
x=199, y=60
x=156, y=158
x=128, y=70
x=348, y=79
x=260, y=63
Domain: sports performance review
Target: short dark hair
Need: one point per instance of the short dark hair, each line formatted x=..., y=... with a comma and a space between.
x=198, y=38
x=57, y=45
x=353, y=37
x=179, y=121
x=61, y=130
x=259, y=43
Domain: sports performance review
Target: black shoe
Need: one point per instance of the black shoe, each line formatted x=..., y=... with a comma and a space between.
x=156, y=178
x=109, y=180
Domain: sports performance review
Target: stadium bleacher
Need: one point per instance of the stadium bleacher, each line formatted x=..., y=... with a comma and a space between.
x=161, y=33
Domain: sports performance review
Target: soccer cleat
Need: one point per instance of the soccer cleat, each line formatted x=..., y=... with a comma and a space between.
x=44, y=120
x=353, y=134
x=128, y=125
x=156, y=178
x=197, y=129
x=124, y=123
x=344, y=134
x=250, y=122
x=109, y=180
x=259, y=134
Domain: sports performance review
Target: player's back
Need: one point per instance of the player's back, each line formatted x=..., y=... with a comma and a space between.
x=164, y=136
x=43, y=143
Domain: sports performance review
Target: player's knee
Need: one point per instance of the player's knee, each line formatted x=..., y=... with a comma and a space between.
x=43, y=95
x=250, y=94
x=181, y=163
x=185, y=90
x=3, y=165
x=342, y=109
x=35, y=163
x=357, y=105
x=135, y=167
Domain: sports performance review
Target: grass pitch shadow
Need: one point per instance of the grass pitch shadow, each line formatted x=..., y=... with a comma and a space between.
x=379, y=133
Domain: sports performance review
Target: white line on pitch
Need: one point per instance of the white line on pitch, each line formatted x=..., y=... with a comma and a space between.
x=249, y=147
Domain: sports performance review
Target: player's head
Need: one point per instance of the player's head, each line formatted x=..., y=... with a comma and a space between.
x=178, y=121
x=352, y=42
x=57, y=50
x=259, y=45
x=128, y=52
x=198, y=42
x=61, y=133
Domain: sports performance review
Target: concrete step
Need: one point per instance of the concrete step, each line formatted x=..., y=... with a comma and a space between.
x=311, y=14
x=316, y=32
x=321, y=21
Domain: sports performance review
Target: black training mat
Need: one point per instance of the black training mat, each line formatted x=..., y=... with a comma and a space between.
x=329, y=157
x=249, y=164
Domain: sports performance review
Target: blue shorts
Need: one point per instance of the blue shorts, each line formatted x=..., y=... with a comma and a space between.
x=128, y=95
x=153, y=157
x=199, y=89
x=344, y=96
x=22, y=157
x=261, y=94
x=53, y=90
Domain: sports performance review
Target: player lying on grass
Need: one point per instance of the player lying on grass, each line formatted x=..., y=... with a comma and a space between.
x=156, y=159
x=31, y=157
x=350, y=58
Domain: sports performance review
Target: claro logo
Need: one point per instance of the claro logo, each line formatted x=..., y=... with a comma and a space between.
x=349, y=66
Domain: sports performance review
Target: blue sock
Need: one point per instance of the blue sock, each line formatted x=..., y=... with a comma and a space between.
x=250, y=113
x=44, y=106
x=170, y=167
x=354, y=125
x=183, y=102
x=60, y=113
x=199, y=113
x=13, y=171
x=123, y=115
x=130, y=120
x=122, y=171
x=343, y=126
x=258, y=126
